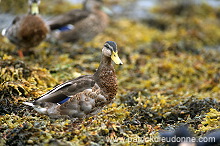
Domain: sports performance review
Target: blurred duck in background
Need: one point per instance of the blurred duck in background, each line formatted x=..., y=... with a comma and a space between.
x=27, y=31
x=183, y=137
x=82, y=24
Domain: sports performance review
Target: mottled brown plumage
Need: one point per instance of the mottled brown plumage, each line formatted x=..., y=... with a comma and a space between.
x=86, y=23
x=85, y=95
x=32, y=31
x=106, y=79
x=28, y=30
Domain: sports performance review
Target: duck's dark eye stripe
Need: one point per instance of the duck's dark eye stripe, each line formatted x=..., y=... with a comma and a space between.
x=108, y=47
x=112, y=45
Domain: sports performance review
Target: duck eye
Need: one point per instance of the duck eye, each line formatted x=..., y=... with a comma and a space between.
x=107, y=46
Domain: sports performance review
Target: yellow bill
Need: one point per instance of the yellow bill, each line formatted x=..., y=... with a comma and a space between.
x=115, y=58
x=34, y=8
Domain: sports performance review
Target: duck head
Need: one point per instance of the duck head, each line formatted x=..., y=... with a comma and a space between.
x=33, y=5
x=110, y=50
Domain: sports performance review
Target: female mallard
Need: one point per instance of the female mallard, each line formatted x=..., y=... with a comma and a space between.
x=83, y=96
x=80, y=24
x=28, y=30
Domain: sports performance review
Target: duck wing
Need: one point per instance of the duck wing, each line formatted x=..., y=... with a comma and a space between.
x=12, y=31
x=70, y=17
x=63, y=92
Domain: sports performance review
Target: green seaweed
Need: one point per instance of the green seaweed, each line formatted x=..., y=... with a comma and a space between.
x=169, y=78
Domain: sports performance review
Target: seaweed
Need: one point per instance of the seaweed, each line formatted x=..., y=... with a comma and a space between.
x=170, y=77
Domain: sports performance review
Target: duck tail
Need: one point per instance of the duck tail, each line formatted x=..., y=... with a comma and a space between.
x=4, y=31
x=29, y=104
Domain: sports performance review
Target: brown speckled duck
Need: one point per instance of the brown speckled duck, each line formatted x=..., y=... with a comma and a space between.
x=28, y=30
x=83, y=96
x=82, y=24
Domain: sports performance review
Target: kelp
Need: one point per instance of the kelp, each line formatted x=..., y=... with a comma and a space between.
x=20, y=81
x=186, y=22
x=169, y=78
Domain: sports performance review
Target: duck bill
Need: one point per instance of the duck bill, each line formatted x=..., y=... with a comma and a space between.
x=115, y=58
x=34, y=9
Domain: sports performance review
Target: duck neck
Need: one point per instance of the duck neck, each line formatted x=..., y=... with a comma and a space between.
x=105, y=61
x=105, y=66
x=106, y=79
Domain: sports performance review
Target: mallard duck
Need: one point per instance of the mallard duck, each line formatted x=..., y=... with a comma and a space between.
x=83, y=96
x=28, y=30
x=82, y=24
